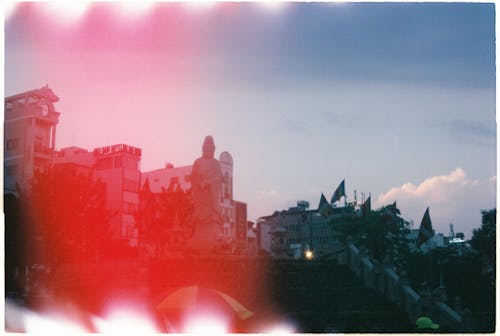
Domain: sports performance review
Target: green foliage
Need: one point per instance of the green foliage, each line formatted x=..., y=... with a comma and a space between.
x=381, y=231
x=165, y=218
x=484, y=238
x=461, y=270
x=464, y=271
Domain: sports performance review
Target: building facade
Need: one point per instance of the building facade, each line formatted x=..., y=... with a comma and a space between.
x=117, y=166
x=29, y=145
x=30, y=134
x=287, y=234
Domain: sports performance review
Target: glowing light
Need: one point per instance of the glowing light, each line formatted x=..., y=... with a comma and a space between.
x=135, y=8
x=207, y=325
x=67, y=11
x=281, y=329
x=47, y=326
x=199, y=5
x=124, y=323
x=273, y=5
x=9, y=8
x=309, y=254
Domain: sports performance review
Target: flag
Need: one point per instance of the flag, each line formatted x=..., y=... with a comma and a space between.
x=425, y=232
x=392, y=209
x=324, y=208
x=366, y=207
x=339, y=192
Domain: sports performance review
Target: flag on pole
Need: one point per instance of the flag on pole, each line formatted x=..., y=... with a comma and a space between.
x=366, y=207
x=392, y=209
x=324, y=208
x=425, y=232
x=339, y=192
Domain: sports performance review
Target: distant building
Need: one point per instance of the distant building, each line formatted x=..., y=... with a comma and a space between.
x=172, y=177
x=286, y=234
x=30, y=124
x=251, y=239
x=240, y=226
x=168, y=177
x=438, y=240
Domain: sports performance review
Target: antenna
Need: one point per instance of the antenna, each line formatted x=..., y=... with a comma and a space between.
x=452, y=231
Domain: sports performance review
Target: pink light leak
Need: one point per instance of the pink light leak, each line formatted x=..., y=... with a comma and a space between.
x=122, y=79
x=125, y=74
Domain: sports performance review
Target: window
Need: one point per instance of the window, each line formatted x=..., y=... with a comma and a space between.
x=38, y=144
x=105, y=163
x=130, y=231
x=174, y=180
x=130, y=163
x=130, y=185
x=10, y=170
x=225, y=186
x=129, y=208
x=12, y=144
x=230, y=187
x=118, y=161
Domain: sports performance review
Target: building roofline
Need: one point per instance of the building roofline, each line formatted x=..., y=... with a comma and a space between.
x=165, y=169
x=44, y=91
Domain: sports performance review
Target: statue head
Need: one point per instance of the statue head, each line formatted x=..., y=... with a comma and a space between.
x=208, y=147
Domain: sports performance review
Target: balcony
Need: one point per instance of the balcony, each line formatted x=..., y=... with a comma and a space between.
x=41, y=150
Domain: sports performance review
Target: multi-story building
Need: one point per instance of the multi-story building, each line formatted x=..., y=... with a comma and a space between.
x=29, y=143
x=168, y=177
x=287, y=234
x=30, y=134
x=226, y=202
x=118, y=167
x=241, y=226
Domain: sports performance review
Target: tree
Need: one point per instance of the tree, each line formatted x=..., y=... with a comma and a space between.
x=382, y=232
x=16, y=236
x=462, y=269
x=484, y=238
x=165, y=218
x=68, y=215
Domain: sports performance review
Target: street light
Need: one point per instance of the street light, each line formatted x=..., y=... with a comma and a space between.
x=308, y=254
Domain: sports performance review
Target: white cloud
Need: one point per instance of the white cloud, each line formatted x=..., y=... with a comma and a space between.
x=434, y=189
x=452, y=198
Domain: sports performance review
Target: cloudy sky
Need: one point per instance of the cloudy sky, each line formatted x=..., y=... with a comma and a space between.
x=397, y=98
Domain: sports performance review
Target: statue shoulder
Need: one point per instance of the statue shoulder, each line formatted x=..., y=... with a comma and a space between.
x=196, y=163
